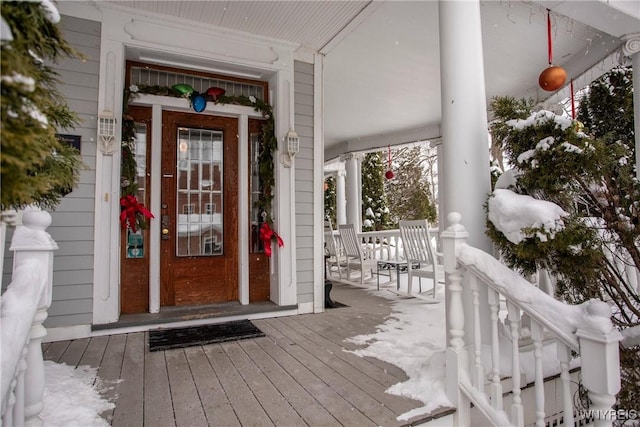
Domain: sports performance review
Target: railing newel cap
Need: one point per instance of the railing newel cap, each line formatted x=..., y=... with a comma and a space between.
x=596, y=322
x=455, y=230
x=31, y=235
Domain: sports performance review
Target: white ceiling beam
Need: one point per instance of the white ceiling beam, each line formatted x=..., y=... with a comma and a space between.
x=382, y=141
x=366, y=11
x=613, y=17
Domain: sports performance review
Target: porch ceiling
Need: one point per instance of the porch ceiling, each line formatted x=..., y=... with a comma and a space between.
x=382, y=66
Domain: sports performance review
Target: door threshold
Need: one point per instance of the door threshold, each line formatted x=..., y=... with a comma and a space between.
x=193, y=315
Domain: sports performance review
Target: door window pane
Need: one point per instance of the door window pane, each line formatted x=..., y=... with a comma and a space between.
x=135, y=240
x=257, y=214
x=199, y=192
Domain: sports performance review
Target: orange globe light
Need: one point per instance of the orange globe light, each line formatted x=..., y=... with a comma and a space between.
x=552, y=78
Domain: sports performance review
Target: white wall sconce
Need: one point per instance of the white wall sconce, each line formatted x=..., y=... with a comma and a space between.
x=106, y=132
x=293, y=143
x=293, y=147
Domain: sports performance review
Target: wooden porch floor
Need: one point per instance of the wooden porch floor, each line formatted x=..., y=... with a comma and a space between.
x=297, y=375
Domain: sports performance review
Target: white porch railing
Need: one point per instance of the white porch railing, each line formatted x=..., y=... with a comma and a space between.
x=22, y=310
x=383, y=245
x=386, y=245
x=476, y=378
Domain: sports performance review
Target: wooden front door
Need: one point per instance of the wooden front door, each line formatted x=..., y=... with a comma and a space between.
x=199, y=209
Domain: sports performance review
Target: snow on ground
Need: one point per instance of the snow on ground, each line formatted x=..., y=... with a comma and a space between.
x=72, y=397
x=417, y=347
x=412, y=338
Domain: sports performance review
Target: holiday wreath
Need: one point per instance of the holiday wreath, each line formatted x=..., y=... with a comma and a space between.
x=134, y=215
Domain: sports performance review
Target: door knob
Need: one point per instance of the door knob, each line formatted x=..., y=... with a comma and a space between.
x=165, y=227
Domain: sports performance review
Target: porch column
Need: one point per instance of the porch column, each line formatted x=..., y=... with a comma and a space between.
x=466, y=180
x=465, y=137
x=353, y=182
x=341, y=199
x=631, y=48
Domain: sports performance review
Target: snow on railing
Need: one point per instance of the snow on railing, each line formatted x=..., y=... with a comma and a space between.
x=474, y=377
x=22, y=310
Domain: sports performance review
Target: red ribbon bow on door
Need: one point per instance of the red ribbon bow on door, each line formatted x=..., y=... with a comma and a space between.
x=266, y=235
x=130, y=210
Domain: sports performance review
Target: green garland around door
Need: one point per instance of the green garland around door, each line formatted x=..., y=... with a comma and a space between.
x=137, y=215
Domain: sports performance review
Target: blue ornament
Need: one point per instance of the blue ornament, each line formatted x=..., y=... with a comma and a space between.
x=199, y=102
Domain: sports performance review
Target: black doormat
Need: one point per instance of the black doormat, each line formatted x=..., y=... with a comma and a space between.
x=165, y=339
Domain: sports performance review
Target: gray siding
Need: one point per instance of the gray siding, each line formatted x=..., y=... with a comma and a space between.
x=72, y=226
x=303, y=97
x=72, y=221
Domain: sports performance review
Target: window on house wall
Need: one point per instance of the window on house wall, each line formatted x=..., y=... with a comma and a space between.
x=189, y=208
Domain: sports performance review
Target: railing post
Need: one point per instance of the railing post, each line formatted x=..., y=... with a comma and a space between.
x=600, y=357
x=29, y=242
x=456, y=355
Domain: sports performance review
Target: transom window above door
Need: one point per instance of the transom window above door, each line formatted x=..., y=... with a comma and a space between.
x=161, y=76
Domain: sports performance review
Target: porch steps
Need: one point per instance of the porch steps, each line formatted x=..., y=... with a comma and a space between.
x=184, y=316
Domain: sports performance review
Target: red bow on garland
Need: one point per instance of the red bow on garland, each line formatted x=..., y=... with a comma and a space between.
x=266, y=235
x=130, y=210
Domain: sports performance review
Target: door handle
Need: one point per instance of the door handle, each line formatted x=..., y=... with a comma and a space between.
x=165, y=227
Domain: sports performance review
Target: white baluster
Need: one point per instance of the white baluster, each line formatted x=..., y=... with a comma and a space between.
x=537, y=332
x=478, y=368
x=454, y=236
x=495, y=389
x=456, y=312
x=564, y=356
x=517, y=413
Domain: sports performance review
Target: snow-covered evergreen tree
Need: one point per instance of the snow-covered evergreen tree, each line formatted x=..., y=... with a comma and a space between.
x=589, y=173
x=36, y=168
x=330, y=200
x=375, y=212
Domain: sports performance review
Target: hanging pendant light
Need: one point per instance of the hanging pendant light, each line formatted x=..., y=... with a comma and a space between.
x=553, y=77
